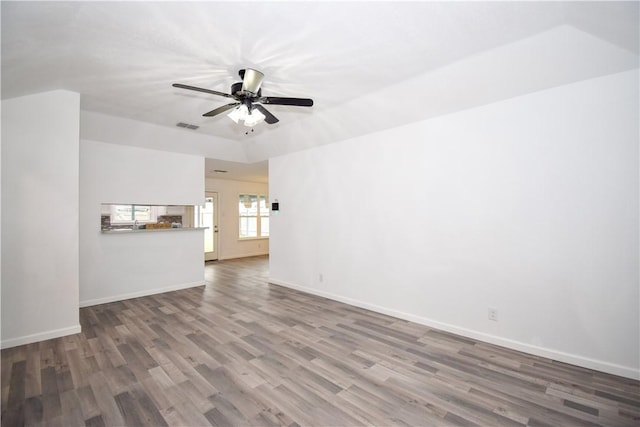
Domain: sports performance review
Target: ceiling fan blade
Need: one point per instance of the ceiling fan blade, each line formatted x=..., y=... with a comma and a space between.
x=251, y=80
x=268, y=117
x=199, y=89
x=221, y=110
x=276, y=100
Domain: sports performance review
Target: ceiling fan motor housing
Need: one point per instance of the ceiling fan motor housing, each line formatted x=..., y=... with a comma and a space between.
x=236, y=89
x=251, y=80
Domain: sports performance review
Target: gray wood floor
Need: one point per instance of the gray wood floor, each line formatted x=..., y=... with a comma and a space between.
x=239, y=351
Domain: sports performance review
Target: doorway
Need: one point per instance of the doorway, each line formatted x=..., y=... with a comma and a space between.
x=207, y=216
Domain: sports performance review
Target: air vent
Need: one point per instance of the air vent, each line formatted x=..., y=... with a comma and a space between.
x=187, y=126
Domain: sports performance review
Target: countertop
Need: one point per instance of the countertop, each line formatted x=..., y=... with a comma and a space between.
x=151, y=230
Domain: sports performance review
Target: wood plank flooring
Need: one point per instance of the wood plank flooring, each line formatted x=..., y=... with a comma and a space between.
x=240, y=351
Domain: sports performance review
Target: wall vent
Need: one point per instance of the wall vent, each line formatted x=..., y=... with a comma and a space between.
x=187, y=126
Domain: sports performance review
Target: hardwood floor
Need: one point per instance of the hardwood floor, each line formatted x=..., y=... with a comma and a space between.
x=240, y=351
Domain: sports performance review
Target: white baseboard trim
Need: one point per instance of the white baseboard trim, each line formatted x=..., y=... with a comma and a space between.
x=573, y=359
x=144, y=293
x=244, y=255
x=41, y=336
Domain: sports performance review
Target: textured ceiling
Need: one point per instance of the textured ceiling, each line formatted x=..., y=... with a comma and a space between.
x=367, y=65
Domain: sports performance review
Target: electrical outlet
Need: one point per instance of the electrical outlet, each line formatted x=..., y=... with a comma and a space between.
x=493, y=314
x=320, y=277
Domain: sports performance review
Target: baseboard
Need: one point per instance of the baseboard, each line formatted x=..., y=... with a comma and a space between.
x=573, y=359
x=146, y=292
x=41, y=336
x=243, y=255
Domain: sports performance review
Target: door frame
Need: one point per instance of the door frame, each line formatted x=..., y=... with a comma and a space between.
x=213, y=256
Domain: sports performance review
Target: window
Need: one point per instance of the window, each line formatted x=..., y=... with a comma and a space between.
x=129, y=213
x=254, y=216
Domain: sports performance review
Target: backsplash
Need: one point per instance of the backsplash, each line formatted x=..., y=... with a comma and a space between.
x=170, y=218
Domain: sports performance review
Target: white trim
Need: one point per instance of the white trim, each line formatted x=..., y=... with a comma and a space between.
x=40, y=336
x=243, y=255
x=573, y=359
x=138, y=294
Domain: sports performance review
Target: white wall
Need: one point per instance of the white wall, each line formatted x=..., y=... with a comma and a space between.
x=40, y=217
x=0, y=209
x=528, y=205
x=229, y=244
x=120, y=266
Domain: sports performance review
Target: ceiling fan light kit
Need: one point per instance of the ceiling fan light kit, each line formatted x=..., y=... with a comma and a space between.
x=248, y=107
x=249, y=118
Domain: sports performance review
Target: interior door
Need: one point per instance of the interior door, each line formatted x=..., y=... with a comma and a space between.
x=207, y=216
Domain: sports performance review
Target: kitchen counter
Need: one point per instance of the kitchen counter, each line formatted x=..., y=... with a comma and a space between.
x=151, y=230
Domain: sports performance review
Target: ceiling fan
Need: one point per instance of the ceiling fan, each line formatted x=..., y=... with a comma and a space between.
x=248, y=98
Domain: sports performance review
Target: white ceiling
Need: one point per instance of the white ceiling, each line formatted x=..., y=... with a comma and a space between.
x=368, y=66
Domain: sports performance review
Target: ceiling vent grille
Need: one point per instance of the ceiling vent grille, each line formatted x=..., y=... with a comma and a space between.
x=187, y=126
